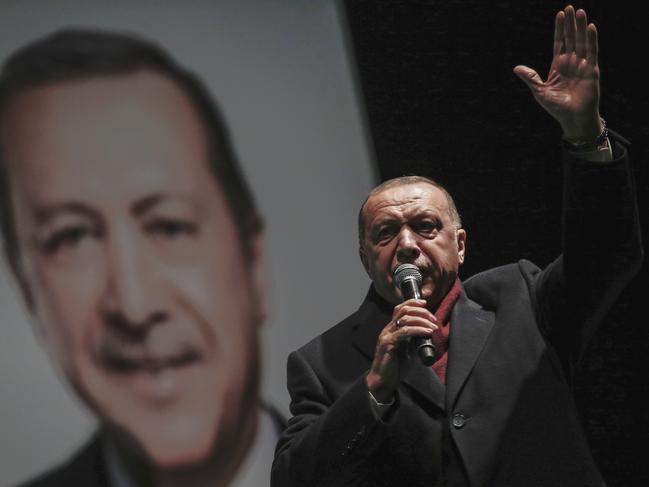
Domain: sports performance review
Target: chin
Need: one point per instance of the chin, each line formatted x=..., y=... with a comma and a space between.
x=174, y=458
x=172, y=451
x=174, y=440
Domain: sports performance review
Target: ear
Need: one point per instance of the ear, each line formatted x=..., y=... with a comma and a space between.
x=18, y=270
x=259, y=274
x=364, y=260
x=461, y=244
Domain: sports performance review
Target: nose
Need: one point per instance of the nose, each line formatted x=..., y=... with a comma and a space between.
x=132, y=301
x=407, y=245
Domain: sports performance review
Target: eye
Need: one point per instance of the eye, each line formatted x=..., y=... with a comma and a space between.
x=67, y=238
x=427, y=227
x=383, y=233
x=171, y=228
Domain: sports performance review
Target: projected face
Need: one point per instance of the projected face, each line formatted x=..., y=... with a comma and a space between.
x=411, y=223
x=131, y=260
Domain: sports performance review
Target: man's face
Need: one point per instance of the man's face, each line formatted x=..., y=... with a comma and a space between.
x=132, y=262
x=411, y=224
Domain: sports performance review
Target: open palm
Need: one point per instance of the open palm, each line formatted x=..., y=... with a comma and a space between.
x=571, y=92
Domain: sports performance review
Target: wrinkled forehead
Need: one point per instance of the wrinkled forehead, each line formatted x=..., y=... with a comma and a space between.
x=406, y=199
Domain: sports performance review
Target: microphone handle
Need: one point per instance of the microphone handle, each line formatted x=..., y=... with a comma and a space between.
x=425, y=347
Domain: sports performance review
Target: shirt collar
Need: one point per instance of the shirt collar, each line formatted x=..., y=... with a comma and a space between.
x=254, y=471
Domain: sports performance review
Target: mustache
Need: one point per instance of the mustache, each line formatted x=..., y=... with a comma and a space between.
x=119, y=356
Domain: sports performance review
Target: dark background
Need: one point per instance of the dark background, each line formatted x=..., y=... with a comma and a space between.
x=442, y=101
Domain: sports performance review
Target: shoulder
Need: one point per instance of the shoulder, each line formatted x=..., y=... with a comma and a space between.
x=273, y=415
x=489, y=287
x=342, y=331
x=340, y=354
x=502, y=275
x=339, y=333
x=85, y=468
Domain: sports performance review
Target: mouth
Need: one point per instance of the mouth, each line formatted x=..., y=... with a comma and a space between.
x=129, y=362
x=155, y=375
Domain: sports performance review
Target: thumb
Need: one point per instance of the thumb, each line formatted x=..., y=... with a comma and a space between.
x=530, y=77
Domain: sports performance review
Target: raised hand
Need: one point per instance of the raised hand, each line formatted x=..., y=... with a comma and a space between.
x=571, y=92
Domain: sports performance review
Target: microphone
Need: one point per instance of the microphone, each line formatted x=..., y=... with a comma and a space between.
x=407, y=277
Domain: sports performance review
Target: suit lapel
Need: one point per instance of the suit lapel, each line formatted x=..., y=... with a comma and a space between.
x=370, y=319
x=470, y=327
x=424, y=380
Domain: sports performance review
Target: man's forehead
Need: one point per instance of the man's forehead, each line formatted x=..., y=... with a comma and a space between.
x=141, y=85
x=99, y=112
x=136, y=74
x=122, y=136
x=419, y=196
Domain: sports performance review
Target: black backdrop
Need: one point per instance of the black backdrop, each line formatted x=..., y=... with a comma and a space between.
x=442, y=101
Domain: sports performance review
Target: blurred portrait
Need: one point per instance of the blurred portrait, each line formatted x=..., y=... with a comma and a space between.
x=166, y=181
x=136, y=244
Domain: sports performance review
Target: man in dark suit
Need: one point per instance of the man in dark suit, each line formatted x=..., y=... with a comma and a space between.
x=135, y=240
x=495, y=408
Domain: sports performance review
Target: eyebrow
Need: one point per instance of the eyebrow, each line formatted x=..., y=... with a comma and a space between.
x=388, y=217
x=44, y=214
x=143, y=205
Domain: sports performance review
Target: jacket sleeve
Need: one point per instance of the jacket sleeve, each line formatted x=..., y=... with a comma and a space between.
x=601, y=251
x=326, y=442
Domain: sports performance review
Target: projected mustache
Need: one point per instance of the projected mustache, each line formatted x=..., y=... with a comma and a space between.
x=121, y=356
x=150, y=346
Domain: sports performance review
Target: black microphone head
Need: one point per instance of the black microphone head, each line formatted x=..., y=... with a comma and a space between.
x=406, y=271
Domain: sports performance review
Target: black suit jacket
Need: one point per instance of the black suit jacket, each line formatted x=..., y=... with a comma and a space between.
x=506, y=415
x=86, y=468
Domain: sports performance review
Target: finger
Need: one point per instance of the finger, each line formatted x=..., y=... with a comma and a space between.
x=581, y=39
x=559, y=22
x=419, y=321
x=406, y=332
x=419, y=303
x=412, y=311
x=529, y=76
x=583, y=69
x=390, y=342
x=592, y=52
x=569, y=29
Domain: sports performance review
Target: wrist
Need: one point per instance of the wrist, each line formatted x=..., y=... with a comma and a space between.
x=587, y=129
x=588, y=143
x=381, y=403
x=377, y=390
